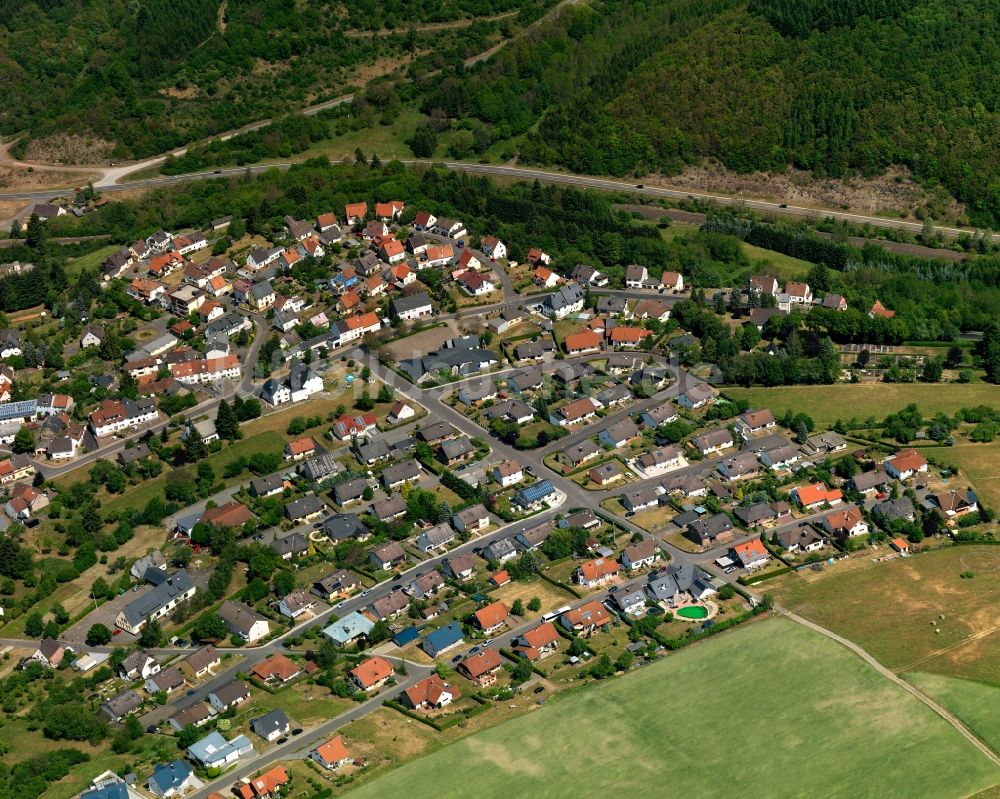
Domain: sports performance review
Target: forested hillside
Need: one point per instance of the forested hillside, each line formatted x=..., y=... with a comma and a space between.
x=835, y=86
x=149, y=75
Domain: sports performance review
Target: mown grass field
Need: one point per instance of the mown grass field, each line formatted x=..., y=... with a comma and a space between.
x=973, y=702
x=826, y=404
x=981, y=464
x=772, y=709
x=895, y=610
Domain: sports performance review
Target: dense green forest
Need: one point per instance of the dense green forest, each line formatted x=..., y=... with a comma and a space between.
x=149, y=76
x=838, y=87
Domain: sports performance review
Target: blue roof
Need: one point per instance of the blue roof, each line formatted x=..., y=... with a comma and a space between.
x=534, y=492
x=349, y=628
x=443, y=638
x=404, y=637
x=113, y=790
x=21, y=409
x=167, y=776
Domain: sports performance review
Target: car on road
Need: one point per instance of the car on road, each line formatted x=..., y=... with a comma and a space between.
x=282, y=740
x=729, y=569
x=341, y=603
x=117, y=631
x=639, y=186
x=613, y=589
x=181, y=642
x=456, y=658
x=190, y=693
x=297, y=731
x=473, y=650
x=487, y=642
x=783, y=205
x=366, y=592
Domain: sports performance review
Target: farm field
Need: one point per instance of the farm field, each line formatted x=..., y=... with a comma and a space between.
x=913, y=614
x=826, y=404
x=978, y=462
x=580, y=744
x=973, y=702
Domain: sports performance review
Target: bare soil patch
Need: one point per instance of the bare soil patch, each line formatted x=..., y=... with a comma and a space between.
x=69, y=148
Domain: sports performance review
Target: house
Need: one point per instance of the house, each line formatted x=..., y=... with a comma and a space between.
x=614, y=395
x=474, y=284
x=434, y=538
x=201, y=662
x=631, y=603
x=605, y=474
x=895, y=509
x=953, y=504
x=668, y=585
x=500, y=551
x=482, y=668
x=578, y=454
x=157, y=603
x=716, y=529
x=597, y=572
x=295, y=604
x=628, y=337
x=651, y=309
x=230, y=514
x=640, y=555
x=300, y=448
x=825, y=443
x=207, y=370
x=165, y=681
x=425, y=585
x=508, y=473
x=835, y=302
x=91, y=336
x=816, y=495
x=460, y=567
x=387, y=556
x=430, y=693
x=905, y=464
x=879, y=311
x=637, y=277
x=25, y=500
x=399, y=473
x=121, y=705
x=271, y=726
x=640, y=499
x=587, y=275
x=437, y=256
x=49, y=653
x=355, y=213
x=587, y=618
x=537, y=643
x=751, y=423
x=267, y=786
x=512, y=410
x=541, y=349
x=493, y=248
x=231, y=694
x=171, y=779
x=348, y=629
x=196, y=715
x=752, y=555
x=672, y=281
x=348, y=426
x=870, y=483
x=712, y=441
x=332, y=754
x=214, y=751
x=242, y=620
x=336, y=585
x=582, y=343
x=455, y=450
x=533, y=496
x=763, y=284
x=391, y=251
x=305, y=509
x=413, y=307
x=491, y=618
x=756, y=514
x=448, y=227
x=739, y=467
x=138, y=665
x=564, y=301
x=799, y=293
x=533, y=537
x=697, y=396
x=371, y=674
x=780, y=457
x=619, y=434
x=801, y=539
x=472, y=519
x=545, y=277
x=660, y=460
x=846, y=523
x=581, y=410
x=349, y=491
x=525, y=380
x=443, y=640
x=585, y=519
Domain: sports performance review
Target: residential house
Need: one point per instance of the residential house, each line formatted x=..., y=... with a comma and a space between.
x=578, y=454
x=582, y=343
x=138, y=665
x=492, y=617
x=434, y=538
x=371, y=674
x=799, y=293
x=564, y=301
x=460, y=567
x=118, y=707
x=165, y=681
x=537, y=643
x=739, y=467
x=660, y=460
x=713, y=441
x=242, y=620
x=482, y=668
x=232, y=694
x=387, y=556
x=712, y=530
x=49, y=653
x=500, y=551
x=271, y=726
x=157, y=603
x=639, y=499
x=332, y=754
x=533, y=496
x=846, y=523
x=905, y=464
x=575, y=412
x=672, y=281
x=816, y=495
x=349, y=629
x=870, y=483
x=336, y=585
x=895, y=509
x=296, y=604
x=171, y=779
x=508, y=473
x=801, y=539
x=473, y=519
x=587, y=618
x=640, y=555
x=619, y=434
x=430, y=693
x=214, y=751
x=605, y=474
x=752, y=555
x=752, y=422
x=305, y=509
x=197, y=715
x=493, y=248
x=597, y=572
x=443, y=640
x=696, y=396
x=201, y=662
x=952, y=505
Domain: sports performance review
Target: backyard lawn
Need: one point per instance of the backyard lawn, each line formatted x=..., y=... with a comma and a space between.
x=625, y=733
x=826, y=404
x=913, y=614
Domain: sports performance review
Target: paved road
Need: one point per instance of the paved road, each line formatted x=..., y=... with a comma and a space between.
x=546, y=176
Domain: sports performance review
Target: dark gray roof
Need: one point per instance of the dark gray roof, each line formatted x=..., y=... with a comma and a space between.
x=412, y=302
x=343, y=526
x=175, y=585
